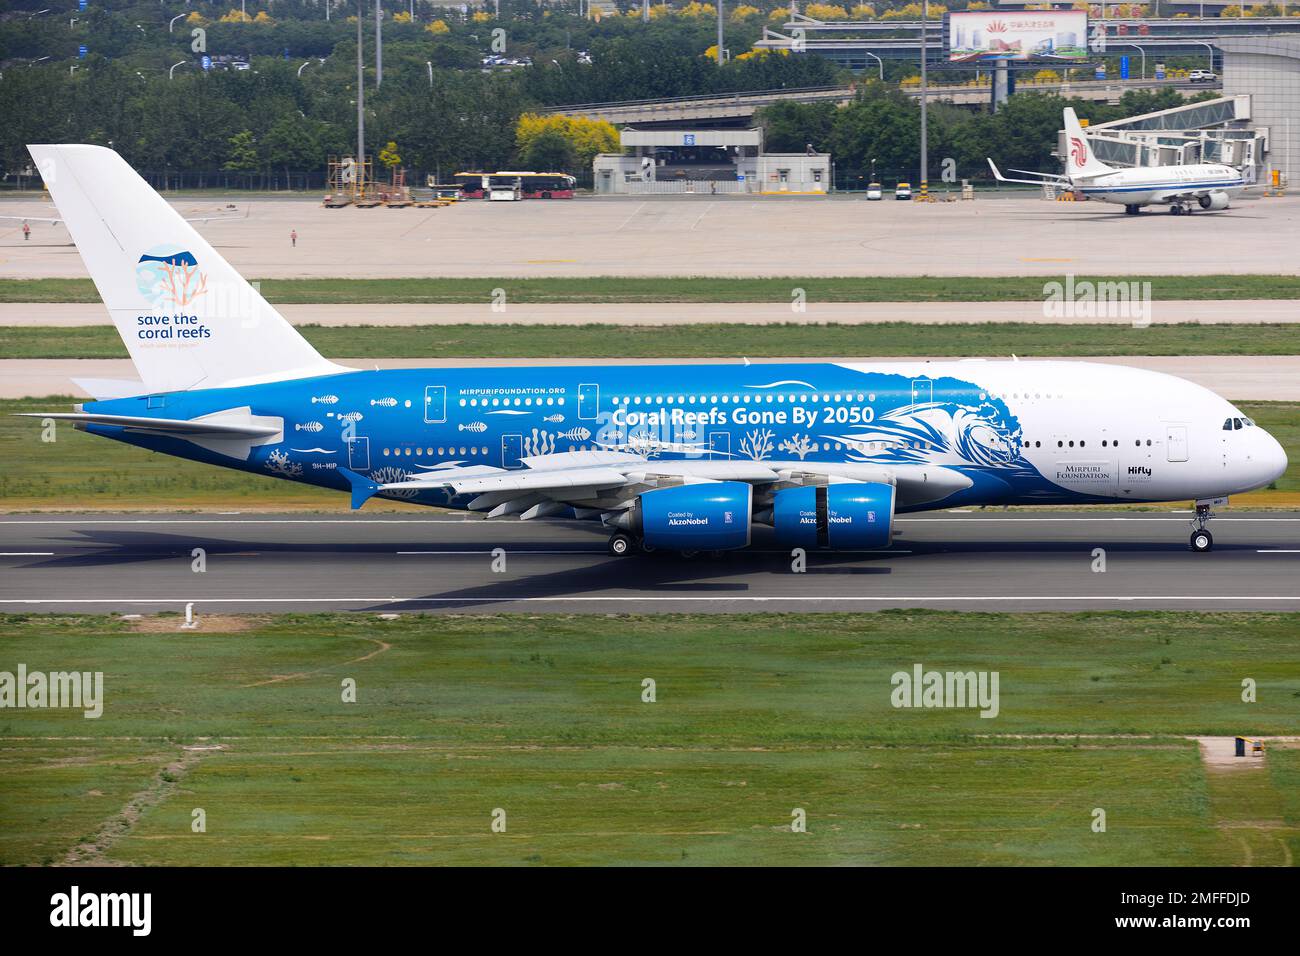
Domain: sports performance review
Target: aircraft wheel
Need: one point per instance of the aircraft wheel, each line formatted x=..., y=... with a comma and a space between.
x=1132, y=210
x=1175, y=210
x=1202, y=541
x=620, y=545
x=645, y=548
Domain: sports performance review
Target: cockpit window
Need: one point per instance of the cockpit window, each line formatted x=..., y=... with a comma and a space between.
x=1227, y=425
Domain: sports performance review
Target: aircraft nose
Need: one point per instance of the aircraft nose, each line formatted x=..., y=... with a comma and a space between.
x=1268, y=458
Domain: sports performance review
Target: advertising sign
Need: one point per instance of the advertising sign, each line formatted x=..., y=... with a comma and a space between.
x=1012, y=35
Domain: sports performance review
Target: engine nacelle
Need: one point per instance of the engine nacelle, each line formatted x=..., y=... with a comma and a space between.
x=1214, y=201
x=710, y=516
x=843, y=515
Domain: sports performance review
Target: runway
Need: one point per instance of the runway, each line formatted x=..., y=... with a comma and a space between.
x=985, y=561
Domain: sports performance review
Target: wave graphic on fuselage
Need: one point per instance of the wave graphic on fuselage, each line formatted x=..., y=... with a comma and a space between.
x=948, y=433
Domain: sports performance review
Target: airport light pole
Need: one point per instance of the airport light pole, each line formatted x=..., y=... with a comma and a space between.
x=379, y=43
x=878, y=60
x=359, y=169
x=925, y=97
x=719, y=3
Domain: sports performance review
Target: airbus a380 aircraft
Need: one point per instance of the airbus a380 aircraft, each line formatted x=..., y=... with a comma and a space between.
x=679, y=458
x=1183, y=188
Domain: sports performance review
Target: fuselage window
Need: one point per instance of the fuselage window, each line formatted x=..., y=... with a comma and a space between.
x=1082, y=443
x=1060, y=444
x=1148, y=442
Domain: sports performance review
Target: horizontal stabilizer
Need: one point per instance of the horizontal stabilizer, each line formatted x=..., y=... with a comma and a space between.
x=180, y=427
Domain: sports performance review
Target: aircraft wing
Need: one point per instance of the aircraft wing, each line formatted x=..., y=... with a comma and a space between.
x=593, y=483
x=1044, y=179
x=55, y=222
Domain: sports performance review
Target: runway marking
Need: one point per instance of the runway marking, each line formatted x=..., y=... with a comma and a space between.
x=26, y=554
x=412, y=521
x=1278, y=551
x=517, y=552
x=713, y=599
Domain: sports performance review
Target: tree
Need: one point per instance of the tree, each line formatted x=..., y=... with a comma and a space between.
x=549, y=151
x=243, y=153
x=389, y=155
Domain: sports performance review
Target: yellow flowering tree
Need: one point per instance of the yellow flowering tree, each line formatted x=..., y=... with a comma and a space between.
x=744, y=11
x=438, y=27
x=696, y=9
x=586, y=137
x=826, y=11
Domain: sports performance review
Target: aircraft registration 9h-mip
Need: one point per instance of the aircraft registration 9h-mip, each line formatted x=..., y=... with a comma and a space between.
x=672, y=458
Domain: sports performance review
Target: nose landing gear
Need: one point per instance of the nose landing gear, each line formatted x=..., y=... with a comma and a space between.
x=1202, y=540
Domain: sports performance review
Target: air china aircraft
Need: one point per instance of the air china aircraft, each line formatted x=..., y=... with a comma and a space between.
x=1183, y=188
x=675, y=458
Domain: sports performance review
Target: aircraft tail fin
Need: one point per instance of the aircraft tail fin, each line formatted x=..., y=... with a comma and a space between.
x=1081, y=163
x=188, y=319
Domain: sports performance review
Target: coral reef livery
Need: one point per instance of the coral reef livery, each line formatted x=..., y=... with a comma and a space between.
x=679, y=458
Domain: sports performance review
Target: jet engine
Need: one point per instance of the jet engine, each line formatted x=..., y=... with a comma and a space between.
x=1214, y=201
x=708, y=516
x=843, y=515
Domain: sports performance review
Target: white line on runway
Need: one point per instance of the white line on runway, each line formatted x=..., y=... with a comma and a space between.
x=411, y=521
x=1278, y=551
x=515, y=553
x=715, y=598
x=26, y=554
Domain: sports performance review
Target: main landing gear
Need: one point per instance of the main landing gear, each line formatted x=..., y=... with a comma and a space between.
x=1179, y=208
x=1131, y=210
x=1202, y=540
x=621, y=544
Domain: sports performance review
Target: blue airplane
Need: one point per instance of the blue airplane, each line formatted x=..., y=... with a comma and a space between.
x=681, y=458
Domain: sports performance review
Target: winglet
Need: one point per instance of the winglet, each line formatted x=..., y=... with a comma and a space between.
x=362, y=487
x=997, y=173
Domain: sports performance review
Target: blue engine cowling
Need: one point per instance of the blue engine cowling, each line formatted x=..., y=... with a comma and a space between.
x=844, y=515
x=712, y=516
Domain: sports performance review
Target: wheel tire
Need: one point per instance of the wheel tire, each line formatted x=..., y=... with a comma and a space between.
x=1132, y=210
x=1175, y=210
x=620, y=545
x=1202, y=541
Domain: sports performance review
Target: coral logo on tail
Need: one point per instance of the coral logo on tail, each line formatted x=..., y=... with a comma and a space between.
x=1078, y=151
x=169, y=277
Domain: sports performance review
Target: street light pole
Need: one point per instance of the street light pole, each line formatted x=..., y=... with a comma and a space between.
x=173, y=68
x=360, y=166
x=925, y=97
x=379, y=43
x=878, y=60
x=719, y=3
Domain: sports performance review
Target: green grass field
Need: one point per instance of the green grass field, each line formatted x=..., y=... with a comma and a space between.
x=542, y=716
x=717, y=340
x=80, y=472
x=691, y=289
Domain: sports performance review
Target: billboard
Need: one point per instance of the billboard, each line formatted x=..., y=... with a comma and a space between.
x=1017, y=35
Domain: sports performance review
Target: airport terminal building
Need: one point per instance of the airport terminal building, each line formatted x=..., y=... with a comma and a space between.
x=709, y=161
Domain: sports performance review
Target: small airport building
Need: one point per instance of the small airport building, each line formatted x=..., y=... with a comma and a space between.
x=708, y=161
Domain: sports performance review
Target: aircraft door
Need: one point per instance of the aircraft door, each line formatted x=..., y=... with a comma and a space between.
x=719, y=446
x=435, y=404
x=922, y=391
x=588, y=401
x=1176, y=442
x=359, y=453
x=512, y=448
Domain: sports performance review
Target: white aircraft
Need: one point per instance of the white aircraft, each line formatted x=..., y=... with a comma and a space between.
x=1183, y=188
x=683, y=458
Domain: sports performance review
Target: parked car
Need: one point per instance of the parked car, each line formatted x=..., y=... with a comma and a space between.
x=1201, y=76
x=903, y=191
x=873, y=191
